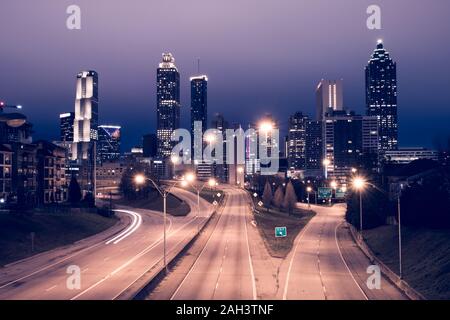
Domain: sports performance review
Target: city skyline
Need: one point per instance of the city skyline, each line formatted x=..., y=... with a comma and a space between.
x=240, y=81
x=225, y=156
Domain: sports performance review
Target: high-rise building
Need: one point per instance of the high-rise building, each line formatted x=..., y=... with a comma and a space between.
x=149, y=145
x=314, y=147
x=221, y=169
x=108, y=145
x=167, y=103
x=199, y=109
x=85, y=125
x=85, y=130
x=329, y=97
x=381, y=96
x=296, y=143
x=66, y=126
x=347, y=140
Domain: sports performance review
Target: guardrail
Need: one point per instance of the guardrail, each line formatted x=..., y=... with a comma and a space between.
x=409, y=291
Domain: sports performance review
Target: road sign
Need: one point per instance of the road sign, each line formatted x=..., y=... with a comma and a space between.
x=340, y=193
x=325, y=193
x=260, y=203
x=215, y=203
x=280, y=232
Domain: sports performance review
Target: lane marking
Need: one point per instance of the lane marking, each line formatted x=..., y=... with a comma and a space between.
x=160, y=259
x=250, y=258
x=286, y=284
x=137, y=221
x=143, y=252
x=51, y=288
x=345, y=263
x=201, y=253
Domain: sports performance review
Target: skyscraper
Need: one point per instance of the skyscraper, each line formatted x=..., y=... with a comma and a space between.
x=314, y=147
x=296, y=149
x=85, y=130
x=167, y=103
x=108, y=145
x=85, y=125
x=66, y=126
x=347, y=139
x=199, y=109
x=329, y=97
x=221, y=170
x=381, y=96
x=149, y=145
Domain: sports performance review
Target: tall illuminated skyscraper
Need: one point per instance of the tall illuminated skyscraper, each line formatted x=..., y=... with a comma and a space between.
x=85, y=130
x=167, y=103
x=381, y=96
x=329, y=97
x=296, y=149
x=85, y=125
x=66, y=126
x=199, y=108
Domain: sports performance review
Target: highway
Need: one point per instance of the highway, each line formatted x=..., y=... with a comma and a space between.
x=109, y=262
x=326, y=264
x=223, y=269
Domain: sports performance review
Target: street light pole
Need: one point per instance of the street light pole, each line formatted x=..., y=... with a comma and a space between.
x=400, y=237
x=165, y=219
x=140, y=179
x=360, y=215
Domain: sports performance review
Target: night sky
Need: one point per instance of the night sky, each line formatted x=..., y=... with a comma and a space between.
x=260, y=56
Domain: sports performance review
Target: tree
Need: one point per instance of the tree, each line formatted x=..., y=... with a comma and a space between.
x=279, y=198
x=74, y=191
x=290, y=199
x=267, y=195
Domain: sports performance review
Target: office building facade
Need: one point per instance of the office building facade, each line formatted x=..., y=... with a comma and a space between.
x=329, y=97
x=108, y=145
x=199, y=112
x=66, y=121
x=381, y=96
x=167, y=104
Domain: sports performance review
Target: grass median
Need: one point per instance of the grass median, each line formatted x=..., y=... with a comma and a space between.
x=50, y=231
x=267, y=221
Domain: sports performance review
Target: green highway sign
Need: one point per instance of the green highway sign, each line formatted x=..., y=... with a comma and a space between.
x=280, y=232
x=325, y=193
x=340, y=193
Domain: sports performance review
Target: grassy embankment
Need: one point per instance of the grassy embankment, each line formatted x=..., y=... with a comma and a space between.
x=426, y=257
x=51, y=231
x=267, y=221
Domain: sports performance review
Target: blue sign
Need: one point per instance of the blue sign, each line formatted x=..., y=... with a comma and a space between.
x=280, y=232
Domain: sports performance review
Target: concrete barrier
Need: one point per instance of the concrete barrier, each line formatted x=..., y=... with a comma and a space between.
x=409, y=291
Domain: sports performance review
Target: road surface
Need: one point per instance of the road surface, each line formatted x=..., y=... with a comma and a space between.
x=109, y=262
x=326, y=264
x=223, y=270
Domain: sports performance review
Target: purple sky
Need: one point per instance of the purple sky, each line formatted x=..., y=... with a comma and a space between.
x=260, y=56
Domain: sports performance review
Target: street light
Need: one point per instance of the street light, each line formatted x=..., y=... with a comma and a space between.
x=210, y=138
x=266, y=126
x=190, y=178
x=309, y=189
x=359, y=184
x=140, y=179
